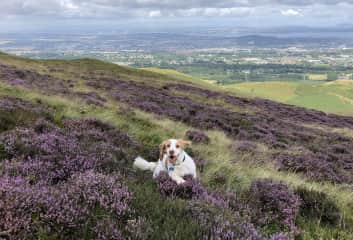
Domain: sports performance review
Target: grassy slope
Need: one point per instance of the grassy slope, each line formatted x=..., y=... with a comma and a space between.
x=336, y=97
x=150, y=130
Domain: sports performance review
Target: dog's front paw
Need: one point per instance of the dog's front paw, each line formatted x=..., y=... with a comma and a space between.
x=180, y=181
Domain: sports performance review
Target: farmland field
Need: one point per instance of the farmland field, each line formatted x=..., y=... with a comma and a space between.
x=335, y=97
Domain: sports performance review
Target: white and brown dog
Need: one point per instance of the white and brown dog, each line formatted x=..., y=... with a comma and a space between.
x=172, y=159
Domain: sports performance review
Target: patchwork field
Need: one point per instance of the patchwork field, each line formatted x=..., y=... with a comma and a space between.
x=69, y=131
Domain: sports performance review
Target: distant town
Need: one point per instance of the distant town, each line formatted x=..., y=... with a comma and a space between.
x=250, y=58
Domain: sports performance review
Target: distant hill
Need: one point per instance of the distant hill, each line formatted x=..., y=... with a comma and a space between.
x=69, y=131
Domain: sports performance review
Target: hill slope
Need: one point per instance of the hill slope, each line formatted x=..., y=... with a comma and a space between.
x=269, y=170
x=335, y=97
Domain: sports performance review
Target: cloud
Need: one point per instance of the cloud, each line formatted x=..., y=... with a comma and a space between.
x=155, y=14
x=215, y=12
x=257, y=11
x=290, y=12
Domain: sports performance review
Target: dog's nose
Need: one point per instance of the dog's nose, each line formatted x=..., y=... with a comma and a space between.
x=171, y=152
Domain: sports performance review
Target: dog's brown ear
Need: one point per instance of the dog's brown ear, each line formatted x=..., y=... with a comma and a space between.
x=162, y=148
x=184, y=143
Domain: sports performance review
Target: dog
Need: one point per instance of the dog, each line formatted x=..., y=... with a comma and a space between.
x=172, y=159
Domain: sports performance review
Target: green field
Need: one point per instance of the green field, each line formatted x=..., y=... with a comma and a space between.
x=334, y=97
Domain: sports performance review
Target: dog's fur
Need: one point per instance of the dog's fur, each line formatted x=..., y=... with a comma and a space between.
x=172, y=159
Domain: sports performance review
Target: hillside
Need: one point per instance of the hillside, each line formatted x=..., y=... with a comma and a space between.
x=69, y=131
x=335, y=97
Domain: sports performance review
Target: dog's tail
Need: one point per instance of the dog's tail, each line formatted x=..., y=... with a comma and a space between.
x=142, y=164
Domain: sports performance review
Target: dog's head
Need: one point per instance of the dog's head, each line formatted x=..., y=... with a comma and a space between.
x=173, y=148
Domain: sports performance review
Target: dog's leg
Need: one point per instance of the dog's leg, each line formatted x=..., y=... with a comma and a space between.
x=158, y=169
x=175, y=177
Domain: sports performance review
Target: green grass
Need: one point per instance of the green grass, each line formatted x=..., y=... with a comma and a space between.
x=334, y=97
x=279, y=91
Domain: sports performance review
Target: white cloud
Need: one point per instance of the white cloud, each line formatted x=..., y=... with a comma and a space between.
x=290, y=12
x=68, y=4
x=153, y=14
x=254, y=12
x=215, y=12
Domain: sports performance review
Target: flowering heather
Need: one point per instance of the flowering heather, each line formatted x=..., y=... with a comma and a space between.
x=191, y=189
x=55, y=181
x=64, y=209
x=280, y=236
x=210, y=209
x=223, y=216
x=14, y=104
x=92, y=98
x=315, y=166
x=218, y=223
x=197, y=137
x=244, y=146
x=32, y=79
x=274, y=203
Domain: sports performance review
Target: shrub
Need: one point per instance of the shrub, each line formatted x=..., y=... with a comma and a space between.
x=274, y=204
x=314, y=166
x=316, y=205
x=197, y=136
x=244, y=146
x=280, y=236
x=217, y=223
x=65, y=209
x=191, y=189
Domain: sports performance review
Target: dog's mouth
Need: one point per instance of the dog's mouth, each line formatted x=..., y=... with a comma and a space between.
x=172, y=159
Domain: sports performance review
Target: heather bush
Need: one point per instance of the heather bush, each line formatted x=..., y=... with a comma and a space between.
x=65, y=209
x=3, y=154
x=244, y=146
x=139, y=228
x=316, y=205
x=191, y=189
x=200, y=163
x=218, y=223
x=274, y=205
x=32, y=79
x=219, y=178
x=15, y=112
x=79, y=146
x=54, y=182
x=280, y=236
x=315, y=166
x=224, y=216
x=92, y=98
x=197, y=136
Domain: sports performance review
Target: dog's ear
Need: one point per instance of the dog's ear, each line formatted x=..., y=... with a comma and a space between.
x=184, y=143
x=162, y=148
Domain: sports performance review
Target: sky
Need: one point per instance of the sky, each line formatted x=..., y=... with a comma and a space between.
x=28, y=15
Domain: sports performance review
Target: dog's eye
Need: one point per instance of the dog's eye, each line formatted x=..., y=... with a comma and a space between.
x=168, y=145
x=177, y=146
